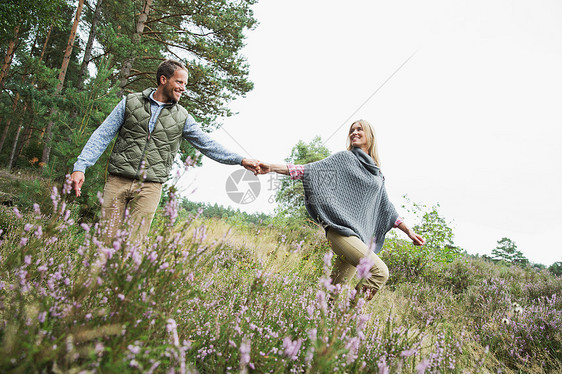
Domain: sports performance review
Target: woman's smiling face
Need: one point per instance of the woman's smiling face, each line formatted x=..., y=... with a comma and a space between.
x=358, y=138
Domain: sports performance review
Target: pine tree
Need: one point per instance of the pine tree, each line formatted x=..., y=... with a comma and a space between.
x=506, y=250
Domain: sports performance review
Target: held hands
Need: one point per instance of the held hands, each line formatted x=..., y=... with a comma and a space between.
x=252, y=165
x=274, y=168
x=77, y=179
x=258, y=167
x=265, y=168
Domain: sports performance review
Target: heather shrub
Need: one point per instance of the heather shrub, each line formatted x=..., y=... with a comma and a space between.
x=404, y=261
x=210, y=295
x=520, y=335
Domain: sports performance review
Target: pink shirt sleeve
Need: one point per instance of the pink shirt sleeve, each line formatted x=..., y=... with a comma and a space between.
x=296, y=171
x=399, y=220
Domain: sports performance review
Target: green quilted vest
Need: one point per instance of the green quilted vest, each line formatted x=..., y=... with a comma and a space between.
x=139, y=154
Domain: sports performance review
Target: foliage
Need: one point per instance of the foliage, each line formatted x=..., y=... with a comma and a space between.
x=206, y=35
x=290, y=194
x=409, y=261
x=506, y=250
x=556, y=268
x=432, y=226
x=35, y=14
x=208, y=210
x=202, y=295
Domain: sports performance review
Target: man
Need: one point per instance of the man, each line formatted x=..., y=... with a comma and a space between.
x=149, y=126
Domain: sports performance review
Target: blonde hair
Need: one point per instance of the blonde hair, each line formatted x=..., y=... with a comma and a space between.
x=371, y=140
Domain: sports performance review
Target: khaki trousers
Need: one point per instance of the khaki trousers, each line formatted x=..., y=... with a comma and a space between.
x=350, y=250
x=129, y=204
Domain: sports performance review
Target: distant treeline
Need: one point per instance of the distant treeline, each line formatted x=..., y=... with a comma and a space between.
x=219, y=211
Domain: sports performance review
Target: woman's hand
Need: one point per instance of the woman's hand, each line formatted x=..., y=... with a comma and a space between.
x=264, y=168
x=416, y=239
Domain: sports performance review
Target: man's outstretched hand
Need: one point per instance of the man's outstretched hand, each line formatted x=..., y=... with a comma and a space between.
x=77, y=179
x=252, y=165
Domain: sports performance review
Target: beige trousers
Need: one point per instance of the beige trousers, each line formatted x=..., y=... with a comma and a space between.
x=350, y=250
x=131, y=204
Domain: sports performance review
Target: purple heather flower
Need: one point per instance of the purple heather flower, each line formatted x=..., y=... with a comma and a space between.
x=353, y=347
x=364, y=268
x=313, y=334
x=17, y=212
x=67, y=188
x=98, y=348
x=408, y=353
x=171, y=327
x=362, y=321
x=134, y=349
x=328, y=259
x=245, y=349
x=422, y=366
x=39, y=232
x=41, y=317
x=23, y=241
x=27, y=260
x=292, y=347
x=121, y=296
x=100, y=197
x=36, y=209
x=54, y=197
x=27, y=227
x=383, y=369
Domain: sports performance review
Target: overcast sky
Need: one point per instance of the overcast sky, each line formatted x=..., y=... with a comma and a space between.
x=472, y=121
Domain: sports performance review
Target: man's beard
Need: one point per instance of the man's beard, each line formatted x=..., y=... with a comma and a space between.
x=170, y=95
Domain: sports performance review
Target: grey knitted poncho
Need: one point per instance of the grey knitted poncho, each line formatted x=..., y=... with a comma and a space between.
x=345, y=192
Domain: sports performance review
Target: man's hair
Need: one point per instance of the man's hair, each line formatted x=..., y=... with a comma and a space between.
x=168, y=68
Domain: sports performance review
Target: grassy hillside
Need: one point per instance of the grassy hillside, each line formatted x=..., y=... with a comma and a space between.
x=208, y=295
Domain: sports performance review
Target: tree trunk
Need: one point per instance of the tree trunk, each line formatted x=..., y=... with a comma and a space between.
x=29, y=128
x=46, y=42
x=12, y=45
x=128, y=64
x=89, y=45
x=5, y=134
x=69, y=46
x=68, y=52
x=9, y=121
x=12, y=158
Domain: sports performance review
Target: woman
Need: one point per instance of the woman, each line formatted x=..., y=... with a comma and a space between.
x=345, y=193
